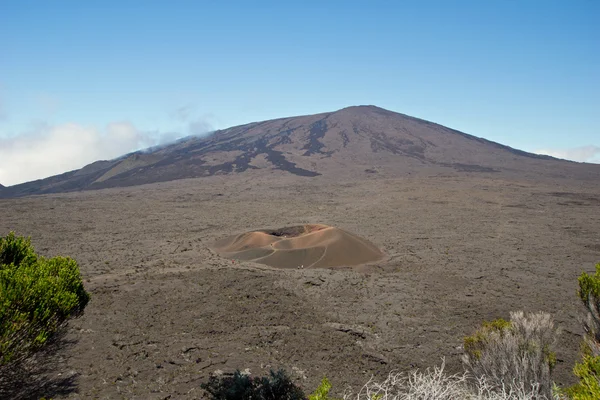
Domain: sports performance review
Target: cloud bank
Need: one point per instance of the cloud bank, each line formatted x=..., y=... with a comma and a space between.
x=51, y=150
x=589, y=153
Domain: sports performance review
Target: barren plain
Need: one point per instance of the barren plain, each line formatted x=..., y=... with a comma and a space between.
x=166, y=311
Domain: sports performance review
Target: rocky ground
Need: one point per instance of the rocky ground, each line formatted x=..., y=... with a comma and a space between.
x=166, y=311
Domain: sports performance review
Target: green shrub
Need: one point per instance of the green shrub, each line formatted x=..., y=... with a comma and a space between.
x=589, y=293
x=588, y=372
x=276, y=386
x=322, y=392
x=589, y=285
x=476, y=343
x=37, y=296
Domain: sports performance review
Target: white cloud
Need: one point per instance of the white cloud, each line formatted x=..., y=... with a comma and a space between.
x=52, y=150
x=199, y=127
x=590, y=154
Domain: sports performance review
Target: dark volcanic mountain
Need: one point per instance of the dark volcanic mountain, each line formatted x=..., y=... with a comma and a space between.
x=364, y=141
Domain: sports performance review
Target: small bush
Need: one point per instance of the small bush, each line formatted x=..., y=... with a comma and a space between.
x=477, y=343
x=322, y=392
x=239, y=386
x=37, y=296
x=518, y=353
x=434, y=384
x=588, y=372
x=589, y=293
x=430, y=385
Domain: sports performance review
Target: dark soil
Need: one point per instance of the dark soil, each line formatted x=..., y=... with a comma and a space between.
x=166, y=311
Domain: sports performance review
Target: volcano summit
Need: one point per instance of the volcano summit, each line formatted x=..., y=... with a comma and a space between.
x=357, y=142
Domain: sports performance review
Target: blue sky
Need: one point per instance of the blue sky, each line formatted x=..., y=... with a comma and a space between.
x=82, y=80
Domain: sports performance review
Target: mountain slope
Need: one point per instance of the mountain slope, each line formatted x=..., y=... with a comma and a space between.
x=355, y=142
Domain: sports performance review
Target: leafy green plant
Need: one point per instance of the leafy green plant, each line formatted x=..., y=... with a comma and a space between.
x=37, y=296
x=588, y=387
x=239, y=386
x=322, y=392
x=589, y=293
x=588, y=370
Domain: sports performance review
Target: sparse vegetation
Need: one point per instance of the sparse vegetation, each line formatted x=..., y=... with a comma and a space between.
x=518, y=353
x=37, y=296
x=589, y=293
x=240, y=386
x=507, y=360
x=434, y=384
x=322, y=392
x=588, y=370
x=476, y=344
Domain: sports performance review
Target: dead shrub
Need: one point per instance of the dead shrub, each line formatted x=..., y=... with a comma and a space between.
x=517, y=353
